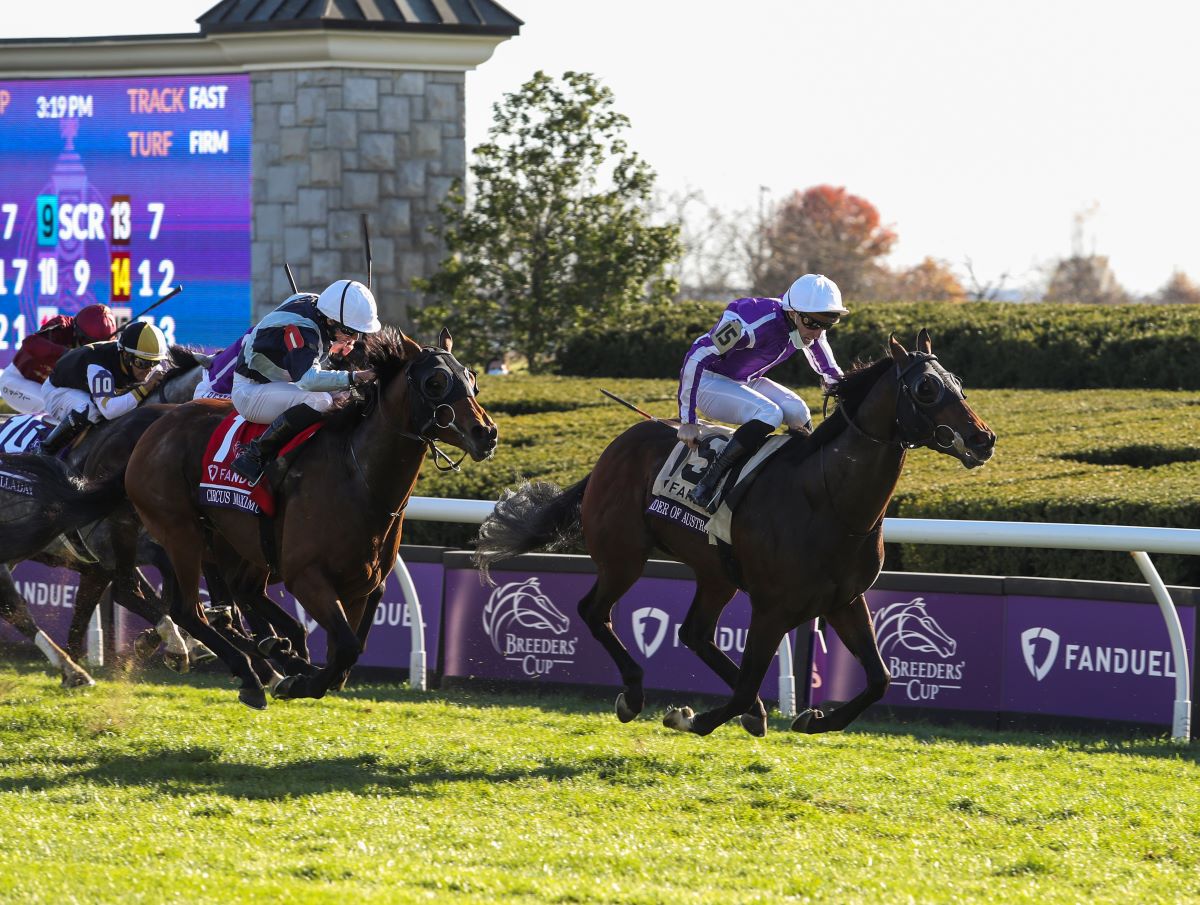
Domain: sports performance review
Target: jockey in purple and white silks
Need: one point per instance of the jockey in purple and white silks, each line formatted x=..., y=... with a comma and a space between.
x=724, y=372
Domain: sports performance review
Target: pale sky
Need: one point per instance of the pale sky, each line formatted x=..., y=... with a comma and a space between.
x=979, y=130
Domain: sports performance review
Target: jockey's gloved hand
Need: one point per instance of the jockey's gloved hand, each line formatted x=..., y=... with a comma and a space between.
x=689, y=434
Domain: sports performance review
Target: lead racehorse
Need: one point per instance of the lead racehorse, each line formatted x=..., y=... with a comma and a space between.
x=806, y=537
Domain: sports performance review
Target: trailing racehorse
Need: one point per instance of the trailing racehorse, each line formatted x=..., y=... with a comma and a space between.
x=31, y=527
x=806, y=537
x=340, y=507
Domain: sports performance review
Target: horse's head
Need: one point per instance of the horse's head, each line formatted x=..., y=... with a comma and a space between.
x=440, y=395
x=185, y=369
x=932, y=410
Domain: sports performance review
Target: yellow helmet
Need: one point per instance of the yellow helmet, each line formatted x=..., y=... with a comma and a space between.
x=144, y=341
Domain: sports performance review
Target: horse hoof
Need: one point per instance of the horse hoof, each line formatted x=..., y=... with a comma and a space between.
x=625, y=713
x=200, y=654
x=755, y=724
x=255, y=698
x=803, y=721
x=77, y=680
x=284, y=686
x=679, y=719
x=177, y=662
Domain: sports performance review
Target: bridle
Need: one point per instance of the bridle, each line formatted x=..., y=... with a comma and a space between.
x=923, y=389
x=432, y=400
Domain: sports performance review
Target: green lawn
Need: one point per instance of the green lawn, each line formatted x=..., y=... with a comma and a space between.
x=168, y=790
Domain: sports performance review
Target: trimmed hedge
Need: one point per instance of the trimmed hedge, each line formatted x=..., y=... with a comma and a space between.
x=1089, y=456
x=992, y=344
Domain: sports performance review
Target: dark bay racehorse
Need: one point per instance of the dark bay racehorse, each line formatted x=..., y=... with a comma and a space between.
x=806, y=538
x=31, y=528
x=340, y=505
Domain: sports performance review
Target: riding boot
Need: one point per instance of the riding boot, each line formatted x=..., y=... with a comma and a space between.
x=253, y=458
x=745, y=441
x=64, y=432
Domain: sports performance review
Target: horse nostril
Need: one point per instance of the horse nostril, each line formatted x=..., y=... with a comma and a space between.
x=984, y=441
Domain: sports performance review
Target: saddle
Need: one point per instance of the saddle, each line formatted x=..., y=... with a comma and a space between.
x=223, y=488
x=684, y=467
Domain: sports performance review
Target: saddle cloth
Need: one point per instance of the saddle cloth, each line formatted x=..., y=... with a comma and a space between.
x=683, y=468
x=19, y=432
x=223, y=488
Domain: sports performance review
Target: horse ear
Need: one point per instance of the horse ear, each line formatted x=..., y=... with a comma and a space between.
x=899, y=353
x=924, y=343
x=445, y=340
x=411, y=347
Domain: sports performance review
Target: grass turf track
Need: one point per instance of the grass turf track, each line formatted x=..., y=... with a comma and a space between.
x=167, y=789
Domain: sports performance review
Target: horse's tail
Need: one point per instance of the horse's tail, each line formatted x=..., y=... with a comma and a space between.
x=537, y=516
x=61, y=502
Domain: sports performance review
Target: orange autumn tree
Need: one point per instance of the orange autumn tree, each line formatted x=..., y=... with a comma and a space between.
x=824, y=229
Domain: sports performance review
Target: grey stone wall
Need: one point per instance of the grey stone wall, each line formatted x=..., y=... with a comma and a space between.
x=330, y=144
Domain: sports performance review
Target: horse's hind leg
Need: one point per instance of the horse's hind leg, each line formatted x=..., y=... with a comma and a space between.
x=713, y=593
x=15, y=611
x=616, y=575
x=92, y=582
x=184, y=547
x=853, y=626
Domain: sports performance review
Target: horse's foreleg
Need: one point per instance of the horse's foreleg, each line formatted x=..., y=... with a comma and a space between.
x=697, y=632
x=15, y=611
x=762, y=640
x=319, y=599
x=853, y=626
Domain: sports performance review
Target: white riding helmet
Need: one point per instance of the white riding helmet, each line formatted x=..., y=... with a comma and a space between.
x=814, y=294
x=351, y=304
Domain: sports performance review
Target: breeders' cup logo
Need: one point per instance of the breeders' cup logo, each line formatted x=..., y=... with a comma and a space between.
x=906, y=628
x=650, y=626
x=1029, y=639
x=1102, y=658
x=516, y=611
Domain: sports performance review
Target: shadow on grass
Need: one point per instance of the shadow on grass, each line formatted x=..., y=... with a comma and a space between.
x=188, y=771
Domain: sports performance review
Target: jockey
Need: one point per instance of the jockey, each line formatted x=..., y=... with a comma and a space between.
x=21, y=382
x=724, y=371
x=103, y=381
x=280, y=379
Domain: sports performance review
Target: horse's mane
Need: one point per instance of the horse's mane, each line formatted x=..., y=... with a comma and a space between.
x=185, y=358
x=384, y=351
x=849, y=393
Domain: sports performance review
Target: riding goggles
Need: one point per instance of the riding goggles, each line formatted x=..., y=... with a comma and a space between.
x=813, y=323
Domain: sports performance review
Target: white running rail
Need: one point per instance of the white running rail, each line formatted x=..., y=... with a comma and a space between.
x=1138, y=542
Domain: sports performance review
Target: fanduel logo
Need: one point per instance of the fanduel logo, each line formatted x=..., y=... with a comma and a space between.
x=1029, y=639
x=1132, y=661
x=650, y=626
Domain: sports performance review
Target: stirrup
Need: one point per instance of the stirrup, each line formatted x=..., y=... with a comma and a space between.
x=244, y=461
x=74, y=542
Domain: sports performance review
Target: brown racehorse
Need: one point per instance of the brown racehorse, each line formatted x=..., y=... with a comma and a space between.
x=340, y=506
x=806, y=538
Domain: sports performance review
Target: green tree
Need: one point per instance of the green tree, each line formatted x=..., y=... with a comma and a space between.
x=556, y=235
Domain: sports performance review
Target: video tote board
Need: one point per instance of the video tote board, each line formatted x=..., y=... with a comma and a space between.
x=115, y=190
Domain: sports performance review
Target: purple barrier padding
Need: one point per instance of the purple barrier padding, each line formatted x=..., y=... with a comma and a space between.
x=528, y=628
x=1091, y=658
x=50, y=594
x=390, y=641
x=939, y=648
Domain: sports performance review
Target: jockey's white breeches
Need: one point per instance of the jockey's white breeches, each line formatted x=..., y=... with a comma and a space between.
x=22, y=394
x=204, y=390
x=61, y=401
x=736, y=402
x=262, y=403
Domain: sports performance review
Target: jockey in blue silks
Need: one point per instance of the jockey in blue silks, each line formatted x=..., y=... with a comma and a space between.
x=724, y=372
